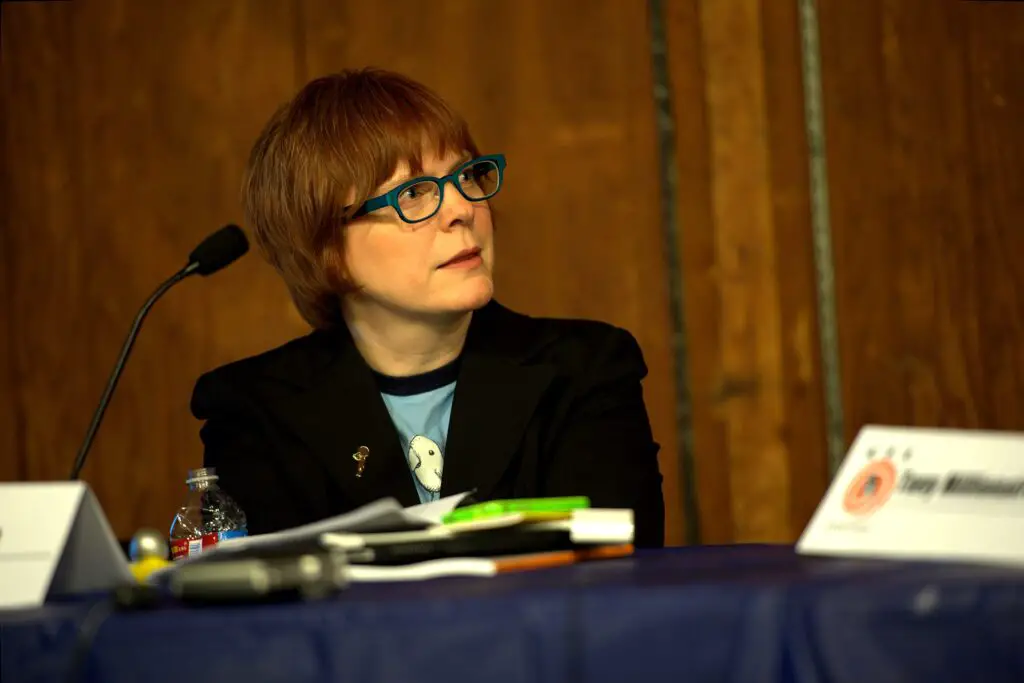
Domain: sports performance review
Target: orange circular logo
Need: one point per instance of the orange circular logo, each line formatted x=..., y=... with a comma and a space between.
x=871, y=487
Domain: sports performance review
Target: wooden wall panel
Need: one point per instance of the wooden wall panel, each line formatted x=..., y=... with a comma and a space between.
x=747, y=265
x=12, y=459
x=12, y=456
x=126, y=127
x=924, y=103
x=130, y=123
x=565, y=90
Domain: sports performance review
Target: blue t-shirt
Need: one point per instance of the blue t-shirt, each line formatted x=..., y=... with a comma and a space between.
x=420, y=408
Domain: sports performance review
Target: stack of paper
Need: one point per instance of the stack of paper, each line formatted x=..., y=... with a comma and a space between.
x=383, y=541
x=488, y=546
x=385, y=514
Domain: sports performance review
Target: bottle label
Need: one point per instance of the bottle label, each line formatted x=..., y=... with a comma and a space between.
x=187, y=547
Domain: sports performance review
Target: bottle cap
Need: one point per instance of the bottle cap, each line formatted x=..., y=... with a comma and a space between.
x=201, y=474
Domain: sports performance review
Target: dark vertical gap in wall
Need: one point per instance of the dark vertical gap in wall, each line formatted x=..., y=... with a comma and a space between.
x=665, y=126
x=821, y=229
x=299, y=42
x=13, y=381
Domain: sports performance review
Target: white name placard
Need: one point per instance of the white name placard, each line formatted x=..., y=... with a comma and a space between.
x=930, y=494
x=55, y=539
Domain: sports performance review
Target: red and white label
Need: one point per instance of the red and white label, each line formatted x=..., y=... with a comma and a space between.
x=188, y=547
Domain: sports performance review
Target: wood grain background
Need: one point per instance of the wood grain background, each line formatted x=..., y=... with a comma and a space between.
x=926, y=155
x=126, y=126
x=748, y=269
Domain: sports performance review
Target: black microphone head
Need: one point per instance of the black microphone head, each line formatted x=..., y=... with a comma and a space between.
x=220, y=249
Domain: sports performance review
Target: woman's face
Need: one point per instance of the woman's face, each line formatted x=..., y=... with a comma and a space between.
x=442, y=265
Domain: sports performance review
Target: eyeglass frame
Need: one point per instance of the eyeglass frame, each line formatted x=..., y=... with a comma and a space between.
x=390, y=198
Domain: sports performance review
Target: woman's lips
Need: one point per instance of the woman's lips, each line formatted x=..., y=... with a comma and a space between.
x=467, y=258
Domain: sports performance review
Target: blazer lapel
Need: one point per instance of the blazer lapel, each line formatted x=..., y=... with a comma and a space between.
x=497, y=393
x=340, y=411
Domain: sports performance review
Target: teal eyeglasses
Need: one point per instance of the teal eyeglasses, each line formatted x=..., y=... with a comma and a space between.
x=418, y=199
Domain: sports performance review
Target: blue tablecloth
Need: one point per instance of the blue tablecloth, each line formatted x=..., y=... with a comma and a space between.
x=737, y=613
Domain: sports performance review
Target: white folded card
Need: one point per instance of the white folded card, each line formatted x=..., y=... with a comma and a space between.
x=54, y=540
x=930, y=494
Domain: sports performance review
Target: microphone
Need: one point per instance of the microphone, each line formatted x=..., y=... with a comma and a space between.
x=217, y=251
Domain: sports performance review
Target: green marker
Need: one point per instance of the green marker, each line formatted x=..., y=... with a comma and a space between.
x=496, y=508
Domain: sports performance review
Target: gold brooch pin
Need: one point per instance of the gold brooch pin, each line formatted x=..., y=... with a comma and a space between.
x=360, y=456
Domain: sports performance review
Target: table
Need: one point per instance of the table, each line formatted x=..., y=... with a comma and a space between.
x=727, y=613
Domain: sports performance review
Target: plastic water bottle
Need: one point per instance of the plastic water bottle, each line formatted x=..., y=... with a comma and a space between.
x=207, y=517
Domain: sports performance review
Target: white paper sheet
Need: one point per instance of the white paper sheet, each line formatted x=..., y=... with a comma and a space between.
x=435, y=511
x=384, y=515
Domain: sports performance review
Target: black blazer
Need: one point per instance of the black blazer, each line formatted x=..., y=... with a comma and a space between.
x=543, y=407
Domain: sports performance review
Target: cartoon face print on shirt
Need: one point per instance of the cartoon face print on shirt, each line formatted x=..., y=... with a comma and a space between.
x=426, y=462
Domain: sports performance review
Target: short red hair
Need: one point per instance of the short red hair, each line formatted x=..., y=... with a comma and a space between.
x=320, y=157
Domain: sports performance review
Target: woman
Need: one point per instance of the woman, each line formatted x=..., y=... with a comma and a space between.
x=370, y=198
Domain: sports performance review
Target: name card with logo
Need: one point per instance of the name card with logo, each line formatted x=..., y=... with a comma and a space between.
x=55, y=540
x=917, y=493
